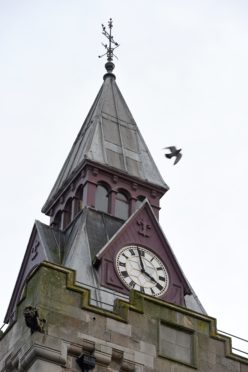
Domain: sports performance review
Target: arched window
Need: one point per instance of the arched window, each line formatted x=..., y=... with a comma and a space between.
x=121, y=206
x=68, y=213
x=139, y=201
x=102, y=198
x=57, y=220
x=79, y=200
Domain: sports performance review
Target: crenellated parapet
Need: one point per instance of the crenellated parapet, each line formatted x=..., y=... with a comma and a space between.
x=142, y=334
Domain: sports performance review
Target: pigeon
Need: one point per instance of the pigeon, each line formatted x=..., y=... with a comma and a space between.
x=173, y=152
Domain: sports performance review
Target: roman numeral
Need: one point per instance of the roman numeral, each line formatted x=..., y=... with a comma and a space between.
x=161, y=278
x=142, y=253
x=152, y=291
x=122, y=264
x=159, y=268
x=159, y=286
x=132, y=252
x=132, y=284
x=123, y=254
x=142, y=289
x=124, y=273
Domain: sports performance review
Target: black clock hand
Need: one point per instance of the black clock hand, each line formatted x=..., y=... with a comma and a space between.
x=141, y=262
x=143, y=268
x=149, y=276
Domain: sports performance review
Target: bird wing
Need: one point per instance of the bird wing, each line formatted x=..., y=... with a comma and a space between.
x=177, y=158
x=172, y=148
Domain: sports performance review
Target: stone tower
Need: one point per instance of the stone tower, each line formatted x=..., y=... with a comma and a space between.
x=100, y=288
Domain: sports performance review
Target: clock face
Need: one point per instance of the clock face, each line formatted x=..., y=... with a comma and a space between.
x=142, y=270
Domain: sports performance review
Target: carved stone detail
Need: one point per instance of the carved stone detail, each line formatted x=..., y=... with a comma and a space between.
x=134, y=186
x=95, y=172
x=32, y=319
x=143, y=228
x=34, y=250
x=115, y=179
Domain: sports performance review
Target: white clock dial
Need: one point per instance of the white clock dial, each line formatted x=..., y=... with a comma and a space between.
x=142, y=270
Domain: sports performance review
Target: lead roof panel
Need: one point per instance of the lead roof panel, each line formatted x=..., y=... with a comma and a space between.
x=109, y=136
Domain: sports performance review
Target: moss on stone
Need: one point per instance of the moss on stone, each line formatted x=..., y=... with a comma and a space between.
x=52, y=289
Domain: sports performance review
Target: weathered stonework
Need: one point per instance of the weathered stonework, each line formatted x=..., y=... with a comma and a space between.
x=142, y=335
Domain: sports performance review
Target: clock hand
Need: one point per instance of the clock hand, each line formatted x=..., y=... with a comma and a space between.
x=143, y=268
x=149, y=276
x=141, y=262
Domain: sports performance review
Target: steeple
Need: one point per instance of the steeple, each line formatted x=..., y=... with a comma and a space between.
x=104, y=210
x=109, y=139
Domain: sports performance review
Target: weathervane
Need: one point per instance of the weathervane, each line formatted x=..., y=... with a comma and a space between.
x=112, y=45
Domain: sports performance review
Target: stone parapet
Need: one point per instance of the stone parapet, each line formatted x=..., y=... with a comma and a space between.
x=144, y=334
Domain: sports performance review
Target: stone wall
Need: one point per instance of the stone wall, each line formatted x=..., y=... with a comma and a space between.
x=142, y=335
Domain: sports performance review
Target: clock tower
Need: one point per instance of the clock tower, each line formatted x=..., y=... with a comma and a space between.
x=100, y=287
x=104, y=210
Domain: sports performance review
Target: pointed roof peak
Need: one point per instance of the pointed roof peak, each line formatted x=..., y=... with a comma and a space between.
x=108, y=137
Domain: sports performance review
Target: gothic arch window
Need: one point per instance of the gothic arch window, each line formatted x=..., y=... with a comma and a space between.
x=79, y=200
x=102, y=198
x=57, y=220
x=122, y=205
x=139, y=201
x=68, y=213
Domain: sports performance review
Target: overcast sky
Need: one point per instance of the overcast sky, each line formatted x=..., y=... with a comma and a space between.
x=182, y=69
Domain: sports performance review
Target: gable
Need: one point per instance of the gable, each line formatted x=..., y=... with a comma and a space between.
x=41, y=247
x=142, y=230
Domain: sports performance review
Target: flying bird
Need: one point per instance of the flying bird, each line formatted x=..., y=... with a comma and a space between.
x=173, y=152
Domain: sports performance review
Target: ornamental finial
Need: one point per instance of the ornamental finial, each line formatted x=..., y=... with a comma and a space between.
x=110, y=47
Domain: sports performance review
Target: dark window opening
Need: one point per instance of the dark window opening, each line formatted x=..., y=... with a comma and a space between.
x=57, y=220
x=121, y=206
x=79, y=200
x=102, y=198
x=68, y=213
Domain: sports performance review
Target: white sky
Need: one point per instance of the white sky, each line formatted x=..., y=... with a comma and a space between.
x=182, y=69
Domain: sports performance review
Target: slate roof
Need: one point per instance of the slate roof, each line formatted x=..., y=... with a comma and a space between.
x=52, y=240
x=109, y=136
x=83, y=231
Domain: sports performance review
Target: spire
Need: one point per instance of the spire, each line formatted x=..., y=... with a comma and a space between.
x=109, y=137
x=110, y=47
